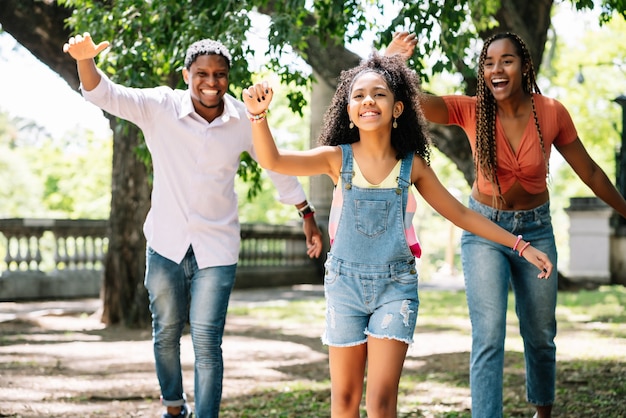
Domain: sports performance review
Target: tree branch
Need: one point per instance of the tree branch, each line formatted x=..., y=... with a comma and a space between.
x=40, y=27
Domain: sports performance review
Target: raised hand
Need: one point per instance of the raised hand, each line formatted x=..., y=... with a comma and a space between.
x=403, y=44
x=257, y=98
x=83, y=48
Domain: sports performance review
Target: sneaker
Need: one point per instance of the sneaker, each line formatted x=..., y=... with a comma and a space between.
x=184, y=413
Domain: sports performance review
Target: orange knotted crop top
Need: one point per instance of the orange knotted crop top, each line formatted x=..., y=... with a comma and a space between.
x=527, y=165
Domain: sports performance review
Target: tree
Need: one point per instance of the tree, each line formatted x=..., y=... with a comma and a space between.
x=148, y=41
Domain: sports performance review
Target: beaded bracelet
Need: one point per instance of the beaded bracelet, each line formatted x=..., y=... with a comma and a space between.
x=523, y=248
x=257, y=118
x=519, y=238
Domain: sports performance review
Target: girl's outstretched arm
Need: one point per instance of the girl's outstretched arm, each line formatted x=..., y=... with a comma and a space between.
x=449, y=207
x=320, y=160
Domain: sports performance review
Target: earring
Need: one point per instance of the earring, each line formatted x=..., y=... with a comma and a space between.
x=351, y=125
x=395, y=122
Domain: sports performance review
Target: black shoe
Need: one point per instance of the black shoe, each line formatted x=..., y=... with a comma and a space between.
x=184, y=413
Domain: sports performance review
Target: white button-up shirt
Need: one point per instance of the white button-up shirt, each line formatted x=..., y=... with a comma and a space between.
x=195, y=163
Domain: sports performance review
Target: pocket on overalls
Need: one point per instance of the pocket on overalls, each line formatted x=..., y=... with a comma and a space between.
x=371, y=217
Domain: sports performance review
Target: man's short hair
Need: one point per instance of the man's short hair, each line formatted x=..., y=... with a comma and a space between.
x=206, y=47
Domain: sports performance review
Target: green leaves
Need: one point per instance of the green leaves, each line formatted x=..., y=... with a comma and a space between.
x=149, y=38
x=250, y=172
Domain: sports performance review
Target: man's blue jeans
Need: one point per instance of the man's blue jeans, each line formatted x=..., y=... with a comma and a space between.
x=181, y=292
x=489, y=270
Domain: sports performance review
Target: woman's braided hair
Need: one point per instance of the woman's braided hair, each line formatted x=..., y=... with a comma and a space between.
x=485, y=158
x=411, y=134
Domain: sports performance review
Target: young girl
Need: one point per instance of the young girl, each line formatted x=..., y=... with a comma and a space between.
x=374, y=147
x=511, y=127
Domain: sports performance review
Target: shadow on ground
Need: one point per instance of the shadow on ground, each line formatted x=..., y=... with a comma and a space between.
x=60, y=363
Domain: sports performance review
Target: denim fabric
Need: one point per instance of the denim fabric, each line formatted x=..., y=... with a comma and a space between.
x=371, y=225
x=371, y=278
x=376, y=300
x=490, y=270
x=181, y=292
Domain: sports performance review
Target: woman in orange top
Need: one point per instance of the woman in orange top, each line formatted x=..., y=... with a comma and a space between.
x=511, y=128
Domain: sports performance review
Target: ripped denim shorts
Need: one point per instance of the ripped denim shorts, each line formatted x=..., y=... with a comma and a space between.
x=369, y=300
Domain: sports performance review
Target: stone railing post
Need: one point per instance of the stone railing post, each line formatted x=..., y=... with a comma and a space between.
x=52, y=258
x=23, y=237
x=590, y=240
x=62, y=258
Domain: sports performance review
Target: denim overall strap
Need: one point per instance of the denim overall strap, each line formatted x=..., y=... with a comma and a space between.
x=347, y=172
x=371, y=228
x=404, y=180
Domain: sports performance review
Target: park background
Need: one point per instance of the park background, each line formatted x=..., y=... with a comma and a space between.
x=58, y=359
x=56, y=149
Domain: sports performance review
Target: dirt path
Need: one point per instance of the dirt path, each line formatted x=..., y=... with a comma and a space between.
x=57, y=360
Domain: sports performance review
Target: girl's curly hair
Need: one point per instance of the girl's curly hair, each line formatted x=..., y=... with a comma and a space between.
x=411, y=135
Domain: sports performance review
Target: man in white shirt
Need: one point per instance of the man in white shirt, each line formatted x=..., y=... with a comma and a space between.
x=195, y=138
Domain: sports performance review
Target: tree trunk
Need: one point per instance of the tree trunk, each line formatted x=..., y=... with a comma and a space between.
x=124, y=297
x=515, y=16
x=40, y=27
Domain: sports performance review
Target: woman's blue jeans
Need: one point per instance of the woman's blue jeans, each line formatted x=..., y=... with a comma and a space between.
x=181, y=292
x=490, y=269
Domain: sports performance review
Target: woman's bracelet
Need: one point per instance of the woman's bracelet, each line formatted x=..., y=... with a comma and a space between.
x=257, y=118
x=519, y=238
x=523, y=248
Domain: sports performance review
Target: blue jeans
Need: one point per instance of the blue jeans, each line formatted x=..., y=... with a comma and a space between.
x=181, y=292
x=490, y=269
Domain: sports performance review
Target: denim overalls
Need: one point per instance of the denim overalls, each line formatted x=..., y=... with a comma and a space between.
x=371, y=277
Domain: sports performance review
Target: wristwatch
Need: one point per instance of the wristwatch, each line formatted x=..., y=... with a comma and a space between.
x=306, y=211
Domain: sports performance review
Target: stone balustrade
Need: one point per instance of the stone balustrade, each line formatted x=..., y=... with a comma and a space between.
x=48, y=258
x=53, y=244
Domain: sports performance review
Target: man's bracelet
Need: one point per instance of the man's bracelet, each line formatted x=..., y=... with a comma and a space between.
x=306, y=211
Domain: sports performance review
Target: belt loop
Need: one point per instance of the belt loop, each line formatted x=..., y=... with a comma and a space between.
x=393, y=268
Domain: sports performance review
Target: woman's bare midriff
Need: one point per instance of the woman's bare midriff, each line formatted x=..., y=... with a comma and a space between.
x=516, y=198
